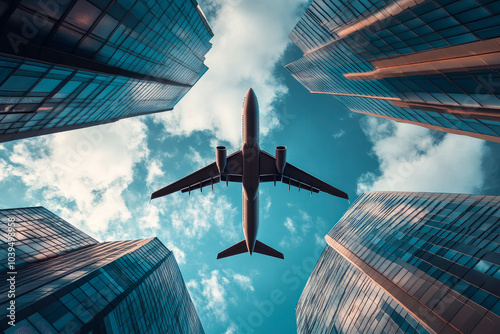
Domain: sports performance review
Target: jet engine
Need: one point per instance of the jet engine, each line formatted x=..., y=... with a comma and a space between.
x=221, y=158
x=280, y=158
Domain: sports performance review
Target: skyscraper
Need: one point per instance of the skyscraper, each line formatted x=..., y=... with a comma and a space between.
x=415, y=262
x=72, y=64
x=63, y=281
x=430, y=63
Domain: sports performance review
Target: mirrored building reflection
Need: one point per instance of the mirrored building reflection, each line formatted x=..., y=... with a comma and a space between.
x=67, y=282
x=71, y=64
x=408, y=263
x=431, y=63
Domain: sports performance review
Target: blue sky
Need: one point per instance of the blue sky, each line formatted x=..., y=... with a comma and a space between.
x=100, y=179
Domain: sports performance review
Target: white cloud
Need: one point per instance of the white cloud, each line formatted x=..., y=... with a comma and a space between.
x=247, y=45
x=245, y=282
x=306, y=222
x=151, y=219
x=199, y=213
x=154, y=168
x=319, y=240
x=197, y=160
x=267, y=207
x=192, y=285
x=413, y=158
x=266, y=203
x=83, y=173
x=299, y=226
x=232, y=329
x=210, y=294
x=290, y=226
x=6, y=169
x=305, y=216
x=180, y=256
x=214, y=291
x=293, y=239
x=339, y=134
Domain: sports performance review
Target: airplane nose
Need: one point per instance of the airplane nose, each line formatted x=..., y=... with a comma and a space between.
x=250, y=92
x=251, y=98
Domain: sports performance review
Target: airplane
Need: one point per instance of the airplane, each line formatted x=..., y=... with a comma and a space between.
x=250, y=166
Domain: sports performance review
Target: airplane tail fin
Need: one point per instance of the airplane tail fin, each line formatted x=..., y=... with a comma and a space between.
x=241, y=247
x=262, y=248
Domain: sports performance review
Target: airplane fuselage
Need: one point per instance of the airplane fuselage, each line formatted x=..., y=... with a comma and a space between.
x=250, y=175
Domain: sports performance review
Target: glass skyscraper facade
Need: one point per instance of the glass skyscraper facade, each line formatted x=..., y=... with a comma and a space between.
x=52, y=236
x=71, y=64
x=78, y=285
x=431, y=63
x=408, y=262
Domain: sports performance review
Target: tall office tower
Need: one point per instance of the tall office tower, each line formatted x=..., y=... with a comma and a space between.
x=431, y=63
x=72, y=64
x=64, y=281
x=408, y=262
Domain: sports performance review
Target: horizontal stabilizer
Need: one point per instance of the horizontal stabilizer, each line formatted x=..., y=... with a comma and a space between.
x=240, y=247
x=266, y=250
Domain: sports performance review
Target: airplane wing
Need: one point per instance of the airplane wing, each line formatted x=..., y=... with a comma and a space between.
x=206, y=176
x=294, y=176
